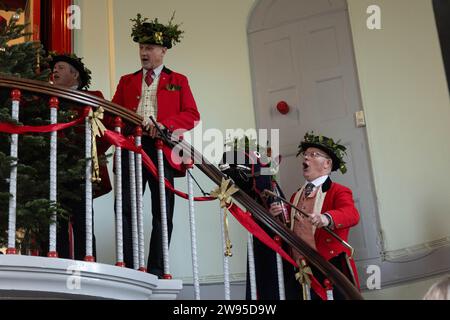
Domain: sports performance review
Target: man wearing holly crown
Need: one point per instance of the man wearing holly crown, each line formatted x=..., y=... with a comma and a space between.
x=327, y=204
x=165, y=95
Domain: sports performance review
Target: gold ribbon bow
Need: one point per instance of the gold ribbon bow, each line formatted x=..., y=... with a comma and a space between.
x=303, y=276
x=224, y=193
x=98, y=129
x=304, y=273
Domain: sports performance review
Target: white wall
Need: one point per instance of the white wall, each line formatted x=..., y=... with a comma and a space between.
x=406, y=102
x=214, y=56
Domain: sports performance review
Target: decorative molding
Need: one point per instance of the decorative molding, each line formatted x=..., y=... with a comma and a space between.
x=263, y=15
x=215, y=278
x=416, y=267
x=420, y=249
x=23, y=277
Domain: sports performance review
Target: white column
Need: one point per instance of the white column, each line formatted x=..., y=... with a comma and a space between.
x=193, y=234
x=281, y=288
x=89, y=256
x=329, y=289
x=134, y=226
x=162, y=199
x=226, y=262
x=54, y=103
x=307, y=294
x=15, y=95
x=118, y=194
x=251, y=266
x=139, y=203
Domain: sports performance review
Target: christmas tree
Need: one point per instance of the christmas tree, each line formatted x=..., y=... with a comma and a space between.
x=20, y=60
x=34, y=210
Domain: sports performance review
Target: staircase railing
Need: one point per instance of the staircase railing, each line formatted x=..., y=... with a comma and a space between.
x=82, y=99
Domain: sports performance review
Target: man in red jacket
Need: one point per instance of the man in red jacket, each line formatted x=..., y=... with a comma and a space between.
x=69, y=71
x=327, y=203
x=166, y=96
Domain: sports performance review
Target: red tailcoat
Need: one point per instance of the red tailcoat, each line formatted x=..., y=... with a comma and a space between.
x=339, y=204
x=177, y=109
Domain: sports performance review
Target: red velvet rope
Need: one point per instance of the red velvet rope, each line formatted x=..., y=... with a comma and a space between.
x=17, y=129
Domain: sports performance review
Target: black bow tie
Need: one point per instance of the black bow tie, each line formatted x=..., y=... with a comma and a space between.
x=309, y=188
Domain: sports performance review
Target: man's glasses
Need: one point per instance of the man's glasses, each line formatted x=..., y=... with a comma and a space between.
x=314, y=154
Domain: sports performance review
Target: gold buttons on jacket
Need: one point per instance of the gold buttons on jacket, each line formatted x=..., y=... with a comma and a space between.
x=339, y=225
x=328, y=240
x=332, y=252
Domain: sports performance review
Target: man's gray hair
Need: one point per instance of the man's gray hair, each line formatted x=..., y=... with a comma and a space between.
x=439, y=291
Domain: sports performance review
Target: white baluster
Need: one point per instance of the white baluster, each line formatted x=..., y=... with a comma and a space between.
x=162, y=199
x=89, y=256
x=54, y=103
x=15, y=95
x=139, y=203
x=329, y=289
x=226, y=262
x=193, y=232
x=307, y=293
x=251, y=266
x=280, y=272
x=118, y=193
x=134, y=228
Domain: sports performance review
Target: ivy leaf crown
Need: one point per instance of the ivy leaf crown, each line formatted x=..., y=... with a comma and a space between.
x=154, y=32
x=337, y=149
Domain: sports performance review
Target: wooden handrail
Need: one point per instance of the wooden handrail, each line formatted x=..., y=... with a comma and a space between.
x=78, y=96
x=258, y=211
